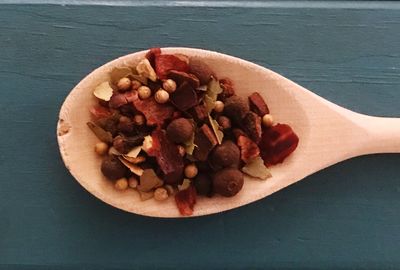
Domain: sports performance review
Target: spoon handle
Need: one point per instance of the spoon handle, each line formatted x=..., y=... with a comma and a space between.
x=382, y=134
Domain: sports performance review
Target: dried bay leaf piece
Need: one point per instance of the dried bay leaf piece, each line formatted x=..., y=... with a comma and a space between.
x=113, y=151
x=103, y=91
x=100, y=133
x=135, y=151
x=189, y=145
x=134, y=160
x=149, y=180
x=145, y=69
x=139, y=78
x=213, y=89
x=209, y=103
x=202, y=88
x=217, y=129
x=132, y=167
x=257, y=169
x=119, y=72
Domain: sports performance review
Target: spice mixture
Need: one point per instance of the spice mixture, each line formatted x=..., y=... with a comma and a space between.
x=170, y=127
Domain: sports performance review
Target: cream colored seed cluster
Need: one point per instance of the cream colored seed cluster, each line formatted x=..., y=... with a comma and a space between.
x=144, y=92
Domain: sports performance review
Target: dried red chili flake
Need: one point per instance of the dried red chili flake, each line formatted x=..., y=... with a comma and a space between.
x=167, y=156
x=131, y=96
x=252, y=126
x=185, y=200
x=117, y=99
x=199, y=113
x=277, y=143
x=227, y=88
x=151, y=55
x=180, y=77
x=205, y=141
x=248, y=149
x=257, y=104
x=100, y=112
x=184, y=97
x=155, y=113
x=164, y=63
x=154, y=150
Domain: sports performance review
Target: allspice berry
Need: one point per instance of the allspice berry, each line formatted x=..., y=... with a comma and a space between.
x=236, y=108
x=228, y=182
x=112, y=168
x=226, y=154
x=180, y=130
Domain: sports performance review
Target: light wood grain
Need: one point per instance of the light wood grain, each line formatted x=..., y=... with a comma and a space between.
x=328, y=134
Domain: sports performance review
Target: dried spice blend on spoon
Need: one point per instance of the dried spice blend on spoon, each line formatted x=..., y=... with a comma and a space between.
x=170, y=127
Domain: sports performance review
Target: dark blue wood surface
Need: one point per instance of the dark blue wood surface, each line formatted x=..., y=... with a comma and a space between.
x=346, y=216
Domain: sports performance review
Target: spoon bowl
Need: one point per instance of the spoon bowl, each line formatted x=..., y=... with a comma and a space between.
x=328, y=134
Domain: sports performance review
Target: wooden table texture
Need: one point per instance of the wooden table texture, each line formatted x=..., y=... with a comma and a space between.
x=346, y=216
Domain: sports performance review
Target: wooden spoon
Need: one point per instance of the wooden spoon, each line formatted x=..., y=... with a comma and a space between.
x=328, y=134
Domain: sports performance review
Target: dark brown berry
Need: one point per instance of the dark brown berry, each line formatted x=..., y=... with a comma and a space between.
x=226, y=154
x=228, y=182
x=180, y=130
x=112, y=168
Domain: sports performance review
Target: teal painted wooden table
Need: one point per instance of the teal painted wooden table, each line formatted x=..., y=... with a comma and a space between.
x=346, y=216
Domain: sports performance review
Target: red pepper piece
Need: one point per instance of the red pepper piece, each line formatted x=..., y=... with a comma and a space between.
x=180, y=77
x=100, y=112
x=227, y=88
x=155, y=113
x=184, y=97
x=205, y=141
x=164, y=63
x=252, y=126
x=185, y=200
x=155, y=147
x=257, y=104
x=248, y=149
x=277, y=143
x=117, y=99
x=199, y=113
x=167, y=156
x=151, y=55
